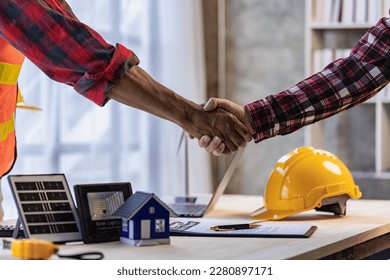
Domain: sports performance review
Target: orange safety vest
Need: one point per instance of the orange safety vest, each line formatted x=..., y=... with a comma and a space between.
x=11, y=61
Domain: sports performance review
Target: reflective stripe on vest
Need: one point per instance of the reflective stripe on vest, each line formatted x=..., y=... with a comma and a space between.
x=6, y=128
x=9, y=73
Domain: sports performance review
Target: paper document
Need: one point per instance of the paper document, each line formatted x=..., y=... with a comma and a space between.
x=186, y=227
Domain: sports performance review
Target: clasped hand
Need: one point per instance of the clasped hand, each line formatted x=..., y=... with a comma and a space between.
x=231, y=127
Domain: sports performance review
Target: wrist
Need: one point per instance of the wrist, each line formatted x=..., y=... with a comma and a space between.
x=187, y=115
x=248, y=121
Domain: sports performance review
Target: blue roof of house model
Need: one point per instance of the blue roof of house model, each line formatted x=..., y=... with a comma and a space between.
x=135, y=202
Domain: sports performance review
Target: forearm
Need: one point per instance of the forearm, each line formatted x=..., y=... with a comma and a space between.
x=341, y=85
x=139, y=90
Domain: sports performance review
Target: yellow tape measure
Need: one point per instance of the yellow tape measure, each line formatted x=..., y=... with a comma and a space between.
x=32, y=249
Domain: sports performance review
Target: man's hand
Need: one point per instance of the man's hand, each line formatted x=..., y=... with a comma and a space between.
x=217, y=145
x=223, y=125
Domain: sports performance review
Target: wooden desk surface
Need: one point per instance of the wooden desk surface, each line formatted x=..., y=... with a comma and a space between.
x=366, y=221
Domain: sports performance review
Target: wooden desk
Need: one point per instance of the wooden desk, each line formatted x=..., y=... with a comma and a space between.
x=363, y=232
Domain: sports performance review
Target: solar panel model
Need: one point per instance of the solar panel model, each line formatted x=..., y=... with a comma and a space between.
x=46, y=208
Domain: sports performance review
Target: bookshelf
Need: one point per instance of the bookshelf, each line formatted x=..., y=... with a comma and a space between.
x=360, y=136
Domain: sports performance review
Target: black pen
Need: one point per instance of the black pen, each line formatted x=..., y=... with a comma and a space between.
x=234, y=227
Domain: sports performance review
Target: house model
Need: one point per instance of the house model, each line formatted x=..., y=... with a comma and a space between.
x=145, y=220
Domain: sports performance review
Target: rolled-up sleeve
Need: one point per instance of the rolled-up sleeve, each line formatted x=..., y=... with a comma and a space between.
x=65, y=49
x=341, y=85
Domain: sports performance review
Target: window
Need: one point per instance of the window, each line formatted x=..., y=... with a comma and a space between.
x=160, y=225
x=115, y=143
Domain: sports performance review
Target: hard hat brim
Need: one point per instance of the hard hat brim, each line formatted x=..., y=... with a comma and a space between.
x=337, y=202
x=29, y=107
x=265, y=214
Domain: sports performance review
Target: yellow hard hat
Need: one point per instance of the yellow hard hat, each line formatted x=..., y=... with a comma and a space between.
x=20, y=103
x=306, y=179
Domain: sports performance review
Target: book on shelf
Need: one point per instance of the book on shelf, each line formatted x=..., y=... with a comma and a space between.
x=360, y=10
x=347, y=11
x=335, y=11
x=327, y=7
x=350, y=11
x=374, y=8
x=326, y=11
x=318, y=15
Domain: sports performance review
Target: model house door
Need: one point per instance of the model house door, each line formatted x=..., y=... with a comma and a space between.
x=145, y=229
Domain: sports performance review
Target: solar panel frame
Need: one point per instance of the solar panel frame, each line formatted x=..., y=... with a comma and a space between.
x=46, y=208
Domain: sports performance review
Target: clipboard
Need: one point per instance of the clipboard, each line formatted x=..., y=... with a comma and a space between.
x=184, y=227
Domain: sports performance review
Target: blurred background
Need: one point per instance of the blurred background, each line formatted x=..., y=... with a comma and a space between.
x=242, y=50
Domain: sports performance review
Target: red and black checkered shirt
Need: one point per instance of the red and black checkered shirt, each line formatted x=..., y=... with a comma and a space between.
x=343, y=84
x=68, y=51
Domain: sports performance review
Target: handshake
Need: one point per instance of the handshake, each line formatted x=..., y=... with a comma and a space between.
x=225, y=127
x=220, y=126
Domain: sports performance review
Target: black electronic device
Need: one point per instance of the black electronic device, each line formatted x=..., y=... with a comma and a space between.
x=45, y=207
x=96, y=203
x=10, y=231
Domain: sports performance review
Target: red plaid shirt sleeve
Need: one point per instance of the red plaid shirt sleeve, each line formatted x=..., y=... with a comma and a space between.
x=341, y=85
x=66, y=50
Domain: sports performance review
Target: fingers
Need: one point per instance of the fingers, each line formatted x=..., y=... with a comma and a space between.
x=231, y=131
x=214, y=146
x=238, y=111
x=244, y=132
x=204, y=141
x=227, y=105
x=239, y=137
x=220, y=150
x=211, y=104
